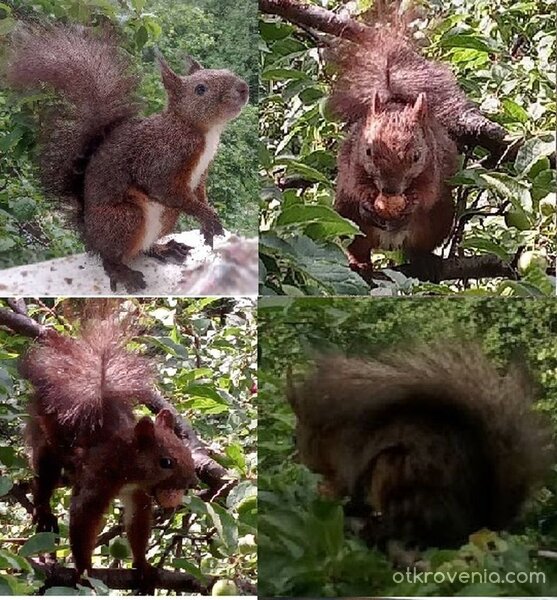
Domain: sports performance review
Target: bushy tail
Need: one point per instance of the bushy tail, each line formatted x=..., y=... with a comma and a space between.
x=439, y=384
x=90, y=383
x=387, y=62
x=96, y=93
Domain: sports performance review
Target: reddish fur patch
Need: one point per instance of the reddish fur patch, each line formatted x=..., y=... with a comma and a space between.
x=169, y=219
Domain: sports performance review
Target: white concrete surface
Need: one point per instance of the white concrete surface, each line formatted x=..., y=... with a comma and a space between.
x=83, y=274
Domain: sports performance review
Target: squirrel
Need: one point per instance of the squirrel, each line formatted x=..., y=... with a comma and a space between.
x=403, y=113
x=126, y=177
x=429, y=443
x=82, y=429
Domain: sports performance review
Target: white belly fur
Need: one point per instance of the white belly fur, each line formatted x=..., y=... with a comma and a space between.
x=153, y=224
x=391, y=240
x=126, y=496
x=212, y=139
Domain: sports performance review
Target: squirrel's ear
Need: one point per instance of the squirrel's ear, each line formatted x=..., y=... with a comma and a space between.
x=420, y=106
x=165, y=419
x=192, y=65
x=170, y=80
x=144, y=430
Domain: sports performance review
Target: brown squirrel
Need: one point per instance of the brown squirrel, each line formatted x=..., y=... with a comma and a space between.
x=129, y=177
x=404, y=113
x=430, y=443
x=82, y=426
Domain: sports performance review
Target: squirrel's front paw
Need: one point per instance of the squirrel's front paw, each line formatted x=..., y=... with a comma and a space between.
x=210, y=230
x=360, y=266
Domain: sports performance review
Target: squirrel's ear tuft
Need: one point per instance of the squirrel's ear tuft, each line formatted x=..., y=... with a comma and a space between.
x=170, y=80
x=420, y=106
x=144, y=430
x=165, y=419
x=192, y=65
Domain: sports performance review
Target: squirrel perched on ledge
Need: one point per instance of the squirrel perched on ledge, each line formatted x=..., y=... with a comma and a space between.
x=82, y=426
x=429, y=444
x=403, y=113
x=128, y=178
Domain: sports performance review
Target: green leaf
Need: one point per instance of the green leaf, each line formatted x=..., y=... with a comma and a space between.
x=532, y=150
x=6, y=484
x=515, y=111
x=38, y=544
x=465, y=41
x=274, y=31
x=225, y=525
x=283, y=74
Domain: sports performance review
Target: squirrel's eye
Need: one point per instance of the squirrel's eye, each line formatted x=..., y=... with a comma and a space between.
x=368, y=151
x=166, y=463
x=200, y=89
x=416, y=156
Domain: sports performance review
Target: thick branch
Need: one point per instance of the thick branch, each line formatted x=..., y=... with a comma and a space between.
x=466, y=267
x=121, y=579
x=309, y=15
x=22, y=324
x=450, y=269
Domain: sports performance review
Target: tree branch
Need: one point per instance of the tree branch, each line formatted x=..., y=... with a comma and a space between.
x=315, y=17
x=121, y=579
x=450, y=269
x=21, y=323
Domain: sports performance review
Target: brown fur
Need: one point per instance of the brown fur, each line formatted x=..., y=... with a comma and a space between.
x=401, y=109
x=96, y=148
x=433, y=439
x=82, y=422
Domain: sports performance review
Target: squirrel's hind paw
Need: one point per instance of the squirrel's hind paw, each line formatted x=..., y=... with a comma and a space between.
x=132, y=280
x=171, y=251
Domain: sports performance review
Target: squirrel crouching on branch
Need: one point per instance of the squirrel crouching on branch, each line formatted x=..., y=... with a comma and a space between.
x=127, y=178
x=404, y=114
x=82, y=426
x=429, y=444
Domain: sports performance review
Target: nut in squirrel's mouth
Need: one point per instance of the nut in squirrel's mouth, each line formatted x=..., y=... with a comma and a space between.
x=168, y=498
x=389, y=213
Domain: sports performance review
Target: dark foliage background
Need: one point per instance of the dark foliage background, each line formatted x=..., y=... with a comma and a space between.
x=304, y=549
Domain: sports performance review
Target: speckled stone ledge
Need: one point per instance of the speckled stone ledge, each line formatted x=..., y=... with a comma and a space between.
x=83, y=274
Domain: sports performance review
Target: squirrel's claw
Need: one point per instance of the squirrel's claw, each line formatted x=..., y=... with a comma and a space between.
x=171, y=251
x=45, y=521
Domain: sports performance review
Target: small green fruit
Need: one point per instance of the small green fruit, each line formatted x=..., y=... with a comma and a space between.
x=119, y=548
x=518, y=219
x=547, y=206
x=224, y=587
